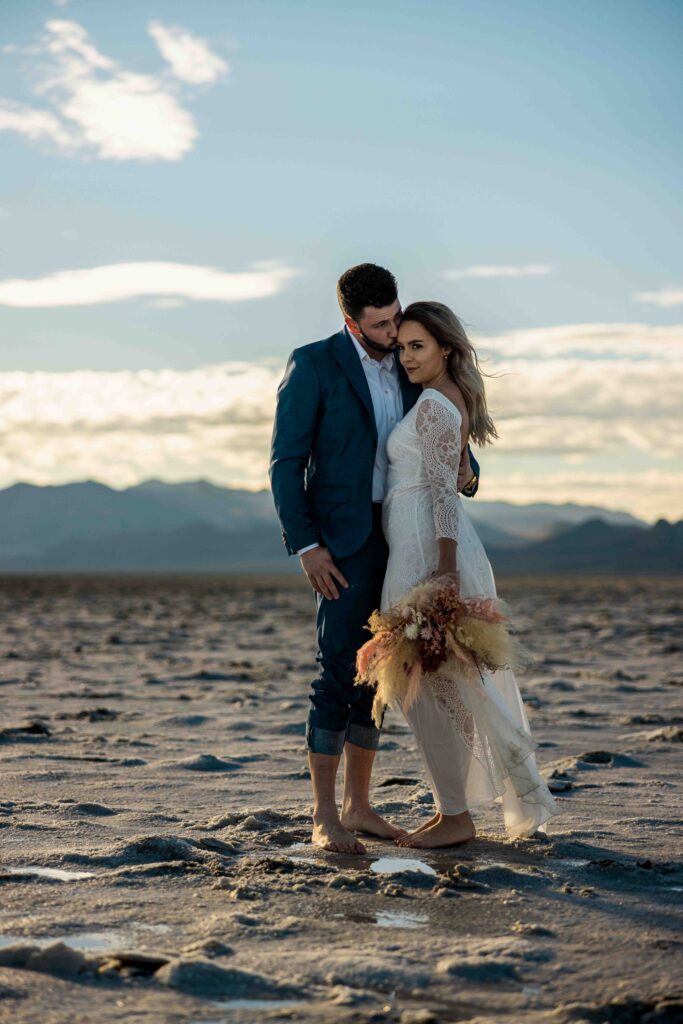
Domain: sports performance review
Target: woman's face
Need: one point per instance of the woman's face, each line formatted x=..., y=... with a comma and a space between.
x=421, y=355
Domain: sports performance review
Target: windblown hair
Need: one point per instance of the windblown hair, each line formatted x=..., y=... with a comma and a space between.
x=463, y=364
x=365, y=285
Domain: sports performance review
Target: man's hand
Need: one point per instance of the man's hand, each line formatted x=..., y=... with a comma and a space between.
x=465, y=472
x=322, y=572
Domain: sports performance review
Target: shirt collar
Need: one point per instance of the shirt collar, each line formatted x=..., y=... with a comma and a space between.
x=387, y=361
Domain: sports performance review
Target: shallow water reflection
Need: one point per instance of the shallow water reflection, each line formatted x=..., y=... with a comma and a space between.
x=89, y=942
x=409, y=919
x=57, y=873
x=256, y=1004
x=396, y=865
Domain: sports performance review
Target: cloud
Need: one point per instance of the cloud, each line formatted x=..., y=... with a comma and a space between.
x=35, y=125
x=191, y=59
x=666, y=297
x=122, y=427
x=529, y=270
x=600, y=431
x=629, y=341
x=118, y=282
x=610, y=389
x=97, y=109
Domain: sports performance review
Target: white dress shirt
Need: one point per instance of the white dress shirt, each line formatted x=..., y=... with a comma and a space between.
x=387, y=405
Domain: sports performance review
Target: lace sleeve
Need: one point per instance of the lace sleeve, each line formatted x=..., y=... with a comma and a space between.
x=438, y=429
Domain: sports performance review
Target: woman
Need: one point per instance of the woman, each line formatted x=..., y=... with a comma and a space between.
x=474, y=740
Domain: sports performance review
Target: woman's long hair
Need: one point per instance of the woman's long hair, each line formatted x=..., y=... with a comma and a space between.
x=463, y=364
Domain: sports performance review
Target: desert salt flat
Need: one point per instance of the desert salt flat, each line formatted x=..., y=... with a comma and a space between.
x=155, y=862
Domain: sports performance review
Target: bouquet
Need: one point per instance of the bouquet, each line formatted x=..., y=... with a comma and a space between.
x=434, y=630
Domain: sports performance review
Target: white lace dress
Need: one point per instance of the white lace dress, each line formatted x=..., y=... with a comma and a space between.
x=475, y=741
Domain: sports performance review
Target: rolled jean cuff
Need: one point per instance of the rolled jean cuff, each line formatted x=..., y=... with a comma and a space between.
x=363, y=735
x=324, y=741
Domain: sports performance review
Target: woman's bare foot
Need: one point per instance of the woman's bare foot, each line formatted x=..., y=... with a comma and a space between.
x=400, y=840
x=449, y=830
x=365, y=820
x=329, y=834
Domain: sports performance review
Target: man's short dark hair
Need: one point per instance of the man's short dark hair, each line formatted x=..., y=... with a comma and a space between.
x=365, y=285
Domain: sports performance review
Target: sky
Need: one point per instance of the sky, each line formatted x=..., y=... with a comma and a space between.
x=181, y=185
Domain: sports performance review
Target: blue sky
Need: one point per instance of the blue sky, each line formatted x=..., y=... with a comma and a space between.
x=520, y=161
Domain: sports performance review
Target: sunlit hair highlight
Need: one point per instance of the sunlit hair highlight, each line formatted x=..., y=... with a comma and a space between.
x=463, y=364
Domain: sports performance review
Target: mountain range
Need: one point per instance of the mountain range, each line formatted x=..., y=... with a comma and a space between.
x=197, y=526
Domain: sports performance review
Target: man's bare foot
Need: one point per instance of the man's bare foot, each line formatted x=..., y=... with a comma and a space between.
x=370, y=823
x=449, y=830
x=329, y=834
x=400, y=840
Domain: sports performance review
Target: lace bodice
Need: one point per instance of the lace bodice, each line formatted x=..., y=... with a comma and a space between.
x=422, y=502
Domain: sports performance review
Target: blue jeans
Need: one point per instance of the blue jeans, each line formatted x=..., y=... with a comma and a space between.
x=340, y=710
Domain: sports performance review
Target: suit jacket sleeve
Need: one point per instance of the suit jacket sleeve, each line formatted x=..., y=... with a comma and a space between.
x=296, y=418
x=469, y=492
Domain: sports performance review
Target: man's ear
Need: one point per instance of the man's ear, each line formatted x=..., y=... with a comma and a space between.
x=352, y=325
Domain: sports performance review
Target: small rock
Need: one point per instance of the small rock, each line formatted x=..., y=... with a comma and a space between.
x=207, y=763
x=479, y=969
x=206, y=979
x=418, y=1017
x=209, y=948
x=527, y=928
x=596, y=757
x=562, y=685
x=57, y=958
x=668, y=734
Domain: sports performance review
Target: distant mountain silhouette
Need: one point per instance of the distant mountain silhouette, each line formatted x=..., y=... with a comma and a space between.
x=199, y=526
x=599, y=547
x=197, y=547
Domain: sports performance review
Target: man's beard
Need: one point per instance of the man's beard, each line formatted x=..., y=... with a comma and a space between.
x=387, y=350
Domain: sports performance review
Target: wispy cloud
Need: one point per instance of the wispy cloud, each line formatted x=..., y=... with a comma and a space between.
x=118, y=282
x=94, y=108
x=603, y=431
x=34, y=125
x=486, y=270
x=191, y=59
x=665, y=297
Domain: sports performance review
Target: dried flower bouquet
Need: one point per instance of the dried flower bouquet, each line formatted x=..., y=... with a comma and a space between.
x=434, y=630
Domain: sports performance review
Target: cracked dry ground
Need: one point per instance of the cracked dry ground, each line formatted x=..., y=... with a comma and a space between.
x=155, y=862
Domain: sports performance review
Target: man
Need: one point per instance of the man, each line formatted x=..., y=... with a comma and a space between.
x=338, y=402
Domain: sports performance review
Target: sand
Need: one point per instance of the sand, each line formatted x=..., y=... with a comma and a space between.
x=155, y=862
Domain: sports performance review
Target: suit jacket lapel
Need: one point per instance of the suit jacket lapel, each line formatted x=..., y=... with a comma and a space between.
x=347, y=357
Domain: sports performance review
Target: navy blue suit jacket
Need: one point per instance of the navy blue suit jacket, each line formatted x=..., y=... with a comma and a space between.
x=323, y=446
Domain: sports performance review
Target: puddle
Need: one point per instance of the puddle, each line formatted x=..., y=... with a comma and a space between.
x=86, y=942
x=395, y=865
x=57, y=873
x=380, y=866
x=256, y=1004
x=406, y=919
x=89, y=942
x=401, y=919
x=571, y=862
